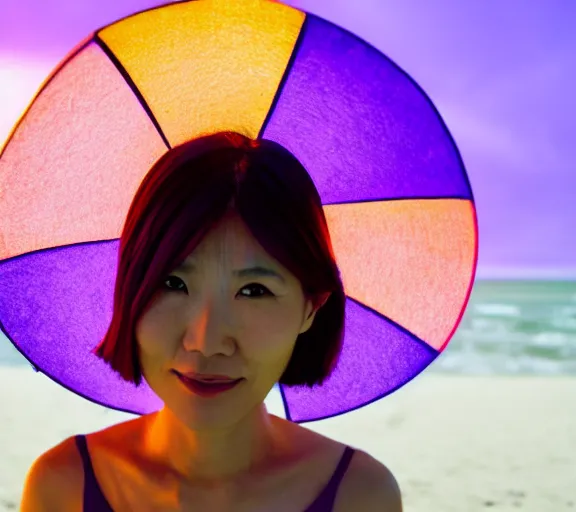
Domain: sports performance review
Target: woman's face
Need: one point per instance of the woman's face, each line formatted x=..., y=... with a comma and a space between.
x=231, y=310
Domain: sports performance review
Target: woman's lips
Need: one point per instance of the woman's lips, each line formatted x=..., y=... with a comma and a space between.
x=206, y=377
x=207, y=388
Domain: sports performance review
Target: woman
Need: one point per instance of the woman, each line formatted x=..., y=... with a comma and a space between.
x=226, y=285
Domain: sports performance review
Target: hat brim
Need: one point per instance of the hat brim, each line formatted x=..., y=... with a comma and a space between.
x=395, y=191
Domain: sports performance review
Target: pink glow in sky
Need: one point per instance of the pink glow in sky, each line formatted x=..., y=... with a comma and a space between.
x=502, y=74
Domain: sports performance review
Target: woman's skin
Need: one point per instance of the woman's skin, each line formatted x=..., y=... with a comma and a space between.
x=231, y=310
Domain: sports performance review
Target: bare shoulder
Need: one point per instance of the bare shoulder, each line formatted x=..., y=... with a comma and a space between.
x=369, y=486
x=55, y=480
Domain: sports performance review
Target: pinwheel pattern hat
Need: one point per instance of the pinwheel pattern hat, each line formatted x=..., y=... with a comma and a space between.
x=394, y=189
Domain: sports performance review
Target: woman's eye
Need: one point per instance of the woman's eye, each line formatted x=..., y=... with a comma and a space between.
x=254, y=290
x=175, y=284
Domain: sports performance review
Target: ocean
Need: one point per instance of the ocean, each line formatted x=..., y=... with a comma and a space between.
x=509, y=327
x=515, y=327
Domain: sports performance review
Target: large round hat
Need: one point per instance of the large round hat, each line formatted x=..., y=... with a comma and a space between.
x=394, y=189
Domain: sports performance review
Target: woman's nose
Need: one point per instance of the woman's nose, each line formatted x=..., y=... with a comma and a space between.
x=208, y=330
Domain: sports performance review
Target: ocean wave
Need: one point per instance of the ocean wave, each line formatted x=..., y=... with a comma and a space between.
x=497, y=310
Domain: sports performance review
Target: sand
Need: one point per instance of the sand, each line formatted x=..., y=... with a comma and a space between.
x=455, y=443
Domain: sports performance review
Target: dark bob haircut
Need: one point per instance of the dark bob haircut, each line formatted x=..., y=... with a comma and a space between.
x=187, y=191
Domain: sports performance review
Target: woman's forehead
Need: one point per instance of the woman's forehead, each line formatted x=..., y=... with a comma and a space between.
x=230, y=242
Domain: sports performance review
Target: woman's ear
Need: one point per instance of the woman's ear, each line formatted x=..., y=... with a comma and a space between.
x=321, y=299
x=312, y=307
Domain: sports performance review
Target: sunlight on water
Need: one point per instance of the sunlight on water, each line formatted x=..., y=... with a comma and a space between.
x=513, y=327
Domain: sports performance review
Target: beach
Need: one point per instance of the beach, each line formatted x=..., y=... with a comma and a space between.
x=454, y=442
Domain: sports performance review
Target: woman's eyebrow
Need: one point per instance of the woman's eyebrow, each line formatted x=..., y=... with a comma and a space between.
x=258, y=271
x=255, y=271
x=186, y=267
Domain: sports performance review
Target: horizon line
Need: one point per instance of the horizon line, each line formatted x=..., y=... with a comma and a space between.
x=526, y=273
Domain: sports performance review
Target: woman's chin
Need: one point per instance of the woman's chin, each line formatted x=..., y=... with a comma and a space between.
x=211, y=409
x=198, y=414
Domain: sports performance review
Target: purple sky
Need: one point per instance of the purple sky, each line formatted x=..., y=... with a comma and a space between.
x=502, y=74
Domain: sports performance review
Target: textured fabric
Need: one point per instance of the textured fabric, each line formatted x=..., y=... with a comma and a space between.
x=45, y=163
x=393, y=185
x=338, y=86
x=235, y=53
x=95, y=501
x=391, y=279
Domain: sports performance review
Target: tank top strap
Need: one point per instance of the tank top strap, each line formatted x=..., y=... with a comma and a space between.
x=341, y=468
x=82, y=446
x=94, y=499
x=325, y=501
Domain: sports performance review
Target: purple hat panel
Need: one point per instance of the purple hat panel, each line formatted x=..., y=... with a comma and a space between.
x=338, y=85
x=377, y=358
x=54, y=300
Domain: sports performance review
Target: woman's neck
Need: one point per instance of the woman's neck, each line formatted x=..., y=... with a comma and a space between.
x=215, y=456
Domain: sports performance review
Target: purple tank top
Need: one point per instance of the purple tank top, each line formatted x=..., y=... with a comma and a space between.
x=95, y=501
